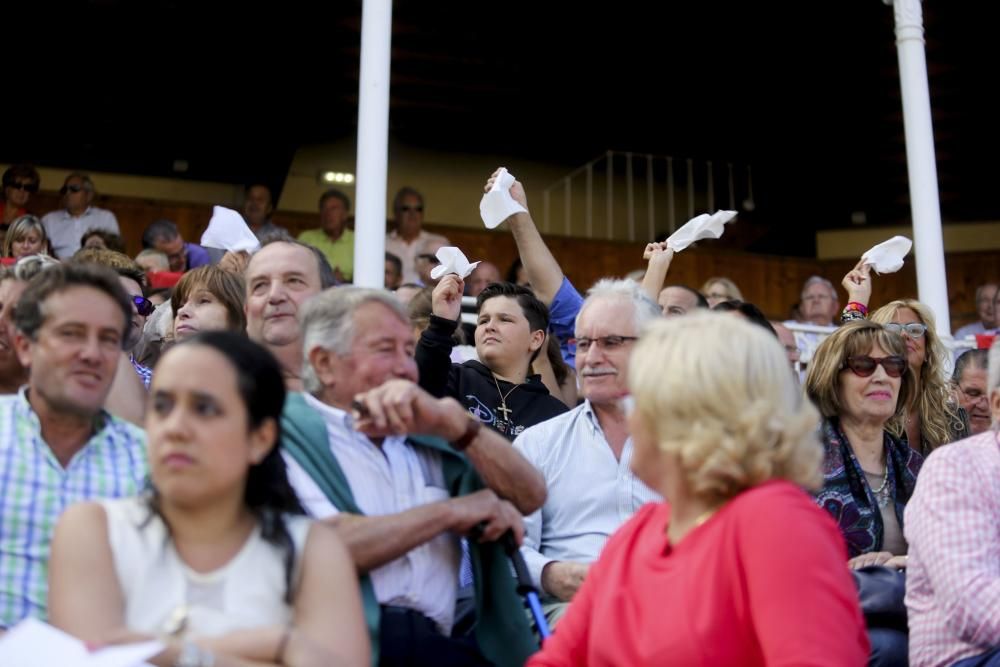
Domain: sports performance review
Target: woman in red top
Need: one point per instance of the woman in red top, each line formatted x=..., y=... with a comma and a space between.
x=19, y=183
x=739, y=566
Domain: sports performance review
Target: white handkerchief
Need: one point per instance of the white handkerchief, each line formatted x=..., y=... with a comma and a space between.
x=704, y=226
x=452, y=261
x=887, y=257
x=497, y=205
x=227, y=230
x=33, y=642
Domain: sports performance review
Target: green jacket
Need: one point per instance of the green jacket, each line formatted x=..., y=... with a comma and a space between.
x=501, y=624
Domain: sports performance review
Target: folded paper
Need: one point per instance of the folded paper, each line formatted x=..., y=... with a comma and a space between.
x=452, y=261
x=497, y=205
x=227, y=230
x=704, y=226
x=887, y=257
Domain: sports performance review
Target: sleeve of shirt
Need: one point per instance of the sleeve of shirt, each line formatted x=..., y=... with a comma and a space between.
x=112, y=222
x=953, y=531
x=562, y=318
x=796, y=576
x=313, y=501
x=433, y=355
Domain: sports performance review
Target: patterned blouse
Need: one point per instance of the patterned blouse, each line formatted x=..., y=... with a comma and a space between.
x=847, y=496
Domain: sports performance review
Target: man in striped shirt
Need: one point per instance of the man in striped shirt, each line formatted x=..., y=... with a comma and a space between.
x=57, y=444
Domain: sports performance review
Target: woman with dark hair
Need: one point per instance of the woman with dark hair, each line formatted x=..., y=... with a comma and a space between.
x=102, y=238
x=20, y=181
x=215, y=560
x=208, y=299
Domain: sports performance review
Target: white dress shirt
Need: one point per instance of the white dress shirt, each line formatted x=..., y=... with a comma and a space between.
x=590, y=493
x=65, y=230
x=384, y=480
x=407, y=252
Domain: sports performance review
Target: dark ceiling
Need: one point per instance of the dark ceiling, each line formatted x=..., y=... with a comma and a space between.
x=807, y=92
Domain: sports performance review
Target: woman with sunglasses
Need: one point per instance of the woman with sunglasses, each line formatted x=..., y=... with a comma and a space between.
x=214, y=560
x=20, y=181
x=932, y=418
x=861, y=384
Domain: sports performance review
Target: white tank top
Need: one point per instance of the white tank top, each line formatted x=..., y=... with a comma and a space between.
x=160, y=589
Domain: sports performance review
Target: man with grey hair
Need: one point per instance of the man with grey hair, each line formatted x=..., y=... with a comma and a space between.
x=818, y=306
x=66, y=226
x=986, y=294
x=952, y=525
x=585, y=453
x=400, y=502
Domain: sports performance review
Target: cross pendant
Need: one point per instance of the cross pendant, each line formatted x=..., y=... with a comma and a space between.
x=505, y=410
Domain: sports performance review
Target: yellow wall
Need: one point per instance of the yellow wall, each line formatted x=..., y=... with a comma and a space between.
x=963, y=237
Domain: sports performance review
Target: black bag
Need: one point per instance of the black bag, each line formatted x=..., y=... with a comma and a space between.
x=881, y=590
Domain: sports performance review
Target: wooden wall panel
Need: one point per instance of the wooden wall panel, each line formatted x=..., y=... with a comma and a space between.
x=773, y=283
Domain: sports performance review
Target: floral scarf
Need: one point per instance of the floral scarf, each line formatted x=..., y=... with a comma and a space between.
x=847, y=496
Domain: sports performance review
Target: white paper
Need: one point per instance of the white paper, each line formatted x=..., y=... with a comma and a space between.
x=704, y=226
x=227, y=230
x=887, y=257
x=497, y=205
x=452, y=261
x=32, y=643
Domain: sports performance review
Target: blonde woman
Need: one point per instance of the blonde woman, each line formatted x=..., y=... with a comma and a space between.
x=713, y=576
x=26, y=236
x=932, y=418
x=719, y=289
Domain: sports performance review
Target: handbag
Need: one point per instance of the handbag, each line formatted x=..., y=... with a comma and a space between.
x=881, y=591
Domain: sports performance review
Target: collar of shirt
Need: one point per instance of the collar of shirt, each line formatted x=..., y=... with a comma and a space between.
x=343, y=421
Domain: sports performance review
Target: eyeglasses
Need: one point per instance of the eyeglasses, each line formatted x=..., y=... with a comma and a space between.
x=430, y=258
x=606, y=343
x=71, y=188
x=142, y=304
x=20, y=185
x=863, y=365
x=974, y=395
x=914, y=330
x=410, y=209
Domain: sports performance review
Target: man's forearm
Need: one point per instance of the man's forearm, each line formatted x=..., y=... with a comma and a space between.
x=506, y=471
x=543, y=270
x=376, y=540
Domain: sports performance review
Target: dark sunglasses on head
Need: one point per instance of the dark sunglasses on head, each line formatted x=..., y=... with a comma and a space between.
x=143, y=305
x=914, y=329
x=862, y=365
x=27, y=187
x=70, y=188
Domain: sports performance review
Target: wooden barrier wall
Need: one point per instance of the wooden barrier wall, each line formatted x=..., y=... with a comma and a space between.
x=772, y=283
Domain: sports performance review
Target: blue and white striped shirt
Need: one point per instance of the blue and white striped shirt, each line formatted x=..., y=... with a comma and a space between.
x=35, y=489
x=590, y=493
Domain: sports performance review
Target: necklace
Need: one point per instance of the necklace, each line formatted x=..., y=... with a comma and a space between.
x=882, y=492
x=503, y=425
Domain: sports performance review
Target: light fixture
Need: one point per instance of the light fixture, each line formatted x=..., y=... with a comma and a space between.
x=335, y=177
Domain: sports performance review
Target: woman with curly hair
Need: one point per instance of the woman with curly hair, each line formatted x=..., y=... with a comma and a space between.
x=932, y=418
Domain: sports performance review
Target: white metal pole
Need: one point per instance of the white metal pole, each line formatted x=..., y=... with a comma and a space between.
x=373, y=143
x=932, y=281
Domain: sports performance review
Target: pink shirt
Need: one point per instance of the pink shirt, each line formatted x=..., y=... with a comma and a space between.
x=762, y=582
x=952, y=523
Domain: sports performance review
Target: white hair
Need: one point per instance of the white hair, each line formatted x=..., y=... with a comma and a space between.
x=610, y=289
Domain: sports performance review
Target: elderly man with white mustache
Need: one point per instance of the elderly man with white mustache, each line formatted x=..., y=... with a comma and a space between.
x=584, y=454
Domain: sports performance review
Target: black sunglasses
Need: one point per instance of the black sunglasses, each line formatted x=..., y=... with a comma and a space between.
x=863, y=365
x=418, y=209
x=70, y=188
x=142, y=304
x=430, y=258
x=27, y=187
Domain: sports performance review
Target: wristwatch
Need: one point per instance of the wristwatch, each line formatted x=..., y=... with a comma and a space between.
x=192, y=655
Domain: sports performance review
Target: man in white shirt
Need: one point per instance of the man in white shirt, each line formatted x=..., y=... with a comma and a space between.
x=66, y=226
x=400, y=503
x=409, y=239
x=584, y=454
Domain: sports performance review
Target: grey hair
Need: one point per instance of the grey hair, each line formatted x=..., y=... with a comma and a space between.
x=993, y=373
x=612, y=289
x=982, y=288
x=973, y=358
x=814, y=280
x=328, y=322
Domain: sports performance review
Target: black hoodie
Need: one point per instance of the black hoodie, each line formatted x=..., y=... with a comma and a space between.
x=473, y=385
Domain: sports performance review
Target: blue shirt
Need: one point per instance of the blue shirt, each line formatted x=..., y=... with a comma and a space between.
x=562, y=319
